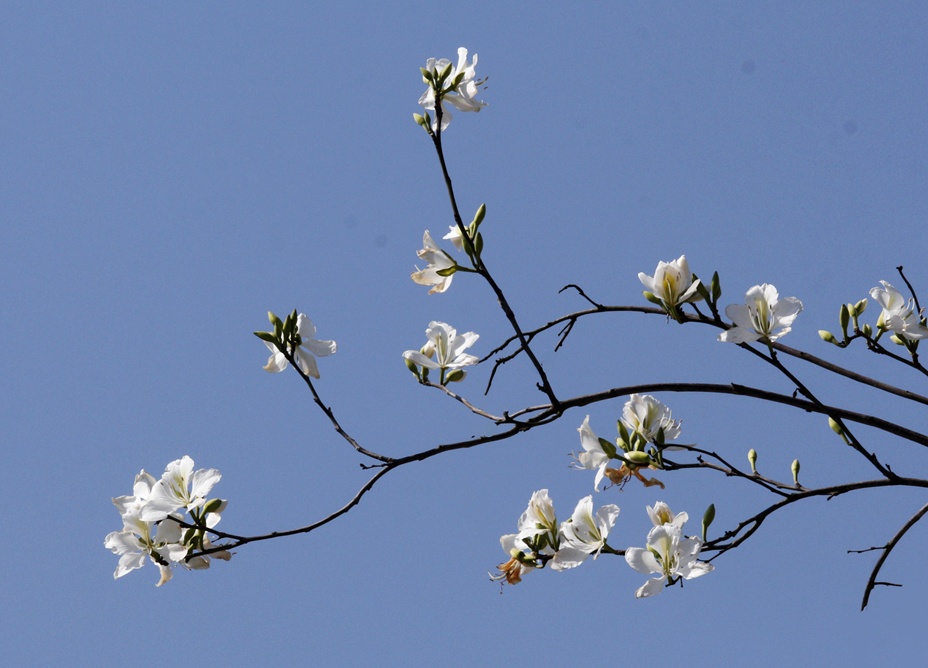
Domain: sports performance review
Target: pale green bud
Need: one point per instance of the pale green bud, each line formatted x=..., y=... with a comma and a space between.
x=860, y=306
x=795, y=469
x=420, y=119
x=844, y=317
x=707, y=518
x=456, y=376
x=752, y=458
x=638, y=457
x=827, y=336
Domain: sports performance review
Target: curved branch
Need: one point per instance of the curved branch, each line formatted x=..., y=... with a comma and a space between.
x=871, y=583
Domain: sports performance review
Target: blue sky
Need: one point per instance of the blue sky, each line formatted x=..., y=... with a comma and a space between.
x=169, y=173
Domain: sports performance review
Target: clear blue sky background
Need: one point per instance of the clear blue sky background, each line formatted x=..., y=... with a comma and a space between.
x=170, y=172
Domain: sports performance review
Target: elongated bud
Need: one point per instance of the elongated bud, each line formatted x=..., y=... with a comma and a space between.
x=651, y=298
x=707, y=518
x=638, y=457
x=795, y=469
x=716, y=287
x=839, y=430
x=479, y=216
x=266, y=336
x=420, y=119
x=867, y=330
x=827, y=336
x=752, y=458
x=412, y=366
x=844, y=317
x=456, y=376
x=213, y=505
x=860, y=306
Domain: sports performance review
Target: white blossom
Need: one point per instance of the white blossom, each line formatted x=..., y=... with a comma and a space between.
x=762, y=316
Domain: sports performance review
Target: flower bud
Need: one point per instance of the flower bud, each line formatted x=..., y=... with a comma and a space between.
x=827, y=336
x=795, y=469
x=638, y=457
x=752, y=458
x=844, y=317
x=456, y=376
x=867, y=330
x=707, y=518
x=420, y=119
x=479, y=216
x=214, y=505
x=652, y=298
x=860, y=306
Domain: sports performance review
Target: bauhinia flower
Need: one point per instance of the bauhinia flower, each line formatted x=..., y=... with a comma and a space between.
x=584, y=534
x=538, y=535
x=650, y=418
x=672, y=285
x=446, y=346
x=662, y=514
x=763, y=316
x=179, y=487
x=458, y=87
x=151, y=527
x=305, y=352
x=898, y=315
x=670, y=556
x=593, y=457
x=440, y=269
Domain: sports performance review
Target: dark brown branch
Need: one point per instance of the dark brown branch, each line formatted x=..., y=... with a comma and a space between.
x=872, y=582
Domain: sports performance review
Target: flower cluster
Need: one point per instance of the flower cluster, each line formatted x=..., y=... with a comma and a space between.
x=669, y=554
x=541, y=540
x=152, y=524
x=443, y=351
x=645, y=427
x=455, y=86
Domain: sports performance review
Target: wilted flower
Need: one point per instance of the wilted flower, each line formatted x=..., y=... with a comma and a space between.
x=521, y=560
x=670, y=555
x=306, y=351
x=898, y=315
x=440, y=269
x=762, y=316
x=584, y=534
x=459, y=88
x=672, y=284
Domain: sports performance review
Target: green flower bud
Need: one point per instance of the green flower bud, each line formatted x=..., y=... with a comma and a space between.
x=651, y=298
x=827, y=336
x=716, y=288
x=860, y=306
x=707, y=518
x=412, y=366
x=456, y=376
x=844, y=317
x=752, y=458
x=420, y=119
x=867, y=330
x=638, y=457
x=795, y=469
x=479, y=216
x=835, y=427
x=212, y=506
x=266, y=336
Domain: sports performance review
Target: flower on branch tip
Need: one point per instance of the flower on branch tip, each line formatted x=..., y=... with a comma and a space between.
x=440, y=269
x=763, y=316
x=306, y=350
x=670, y=555
x=672, y=285
x=457, y=87
x=152, y=528
x=446, y=346
x=538, y=535
x=179, y=487
x=584, y=534
x=662, y=514
x=898, y=315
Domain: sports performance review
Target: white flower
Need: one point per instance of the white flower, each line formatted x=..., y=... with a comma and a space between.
x=670, y=555
x=662, y=514
x=762, y=316
x=672, y=284
x=139, y=538
x=593, y=455
x=898, y=316
x=538, y=524
x=458, y=89
x=583, y=534
x=438, y=261
x=648, y=416
x=447, y=346
x=179, y=487
x=455, y=237
x=305, y=353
